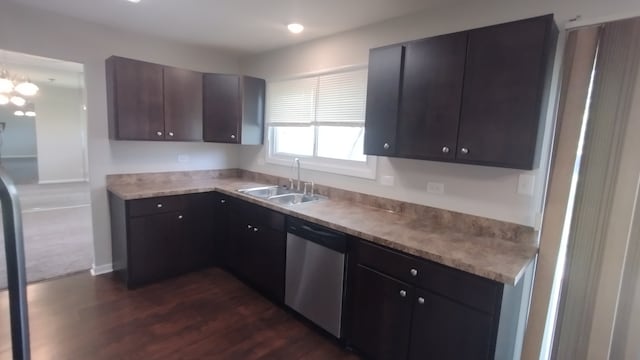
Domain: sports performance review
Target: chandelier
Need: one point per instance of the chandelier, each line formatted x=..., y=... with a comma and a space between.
x=15, y=89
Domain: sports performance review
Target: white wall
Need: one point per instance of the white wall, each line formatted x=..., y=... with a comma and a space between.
x=59, y=129
x=484, y=191
x=45, y=34
x=19, y=138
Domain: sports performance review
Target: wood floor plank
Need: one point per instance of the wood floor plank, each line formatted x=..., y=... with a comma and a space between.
x=204, y=315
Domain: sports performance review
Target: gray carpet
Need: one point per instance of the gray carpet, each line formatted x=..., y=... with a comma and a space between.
x=57, y=231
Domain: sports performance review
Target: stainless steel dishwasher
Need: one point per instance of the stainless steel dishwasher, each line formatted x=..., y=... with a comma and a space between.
x=315, y=273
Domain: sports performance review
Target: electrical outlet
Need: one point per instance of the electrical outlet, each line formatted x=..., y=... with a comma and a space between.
x=183, y=158
x=435, y=188
x=526, y=184
x=387, y=180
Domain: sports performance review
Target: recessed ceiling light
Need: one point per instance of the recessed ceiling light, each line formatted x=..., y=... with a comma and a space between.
x=134, y=1
x=295, y=28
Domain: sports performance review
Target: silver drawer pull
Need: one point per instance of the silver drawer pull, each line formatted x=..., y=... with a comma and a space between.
x=413, y=272
x=255, y=229
x=445, y=149
x=386, y=146
x=403, y=293
x=223, y=201
x=420, y=300
x=180, y=217
x=465, y=151
x=249, y=227
x=170, y=134
x=159, y=133
x=159, y=205
x=233, y=136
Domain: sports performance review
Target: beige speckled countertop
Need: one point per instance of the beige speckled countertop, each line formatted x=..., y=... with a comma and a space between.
x=487, y=256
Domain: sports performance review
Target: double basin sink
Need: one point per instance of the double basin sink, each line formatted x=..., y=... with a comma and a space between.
x=280, y=195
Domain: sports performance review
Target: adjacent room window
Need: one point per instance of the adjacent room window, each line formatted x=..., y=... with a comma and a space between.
x=320, y=119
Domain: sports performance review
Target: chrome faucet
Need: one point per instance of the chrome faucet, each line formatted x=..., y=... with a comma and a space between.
x=297, y=161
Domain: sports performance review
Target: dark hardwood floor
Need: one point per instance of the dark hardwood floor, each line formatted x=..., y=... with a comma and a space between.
x=203, y=315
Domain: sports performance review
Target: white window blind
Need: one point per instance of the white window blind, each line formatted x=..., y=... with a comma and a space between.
x=318, y=118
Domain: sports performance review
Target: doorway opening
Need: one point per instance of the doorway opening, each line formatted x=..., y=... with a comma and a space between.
x=43, y=148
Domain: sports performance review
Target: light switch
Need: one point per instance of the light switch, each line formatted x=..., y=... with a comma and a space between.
x=526, y=184
x=435, y=188
x=387, y=180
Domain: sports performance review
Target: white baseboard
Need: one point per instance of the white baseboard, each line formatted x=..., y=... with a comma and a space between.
x=44, y=182
x=101, y=269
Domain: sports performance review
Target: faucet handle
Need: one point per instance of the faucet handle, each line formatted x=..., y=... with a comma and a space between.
x=305, y=188
x=290, y=183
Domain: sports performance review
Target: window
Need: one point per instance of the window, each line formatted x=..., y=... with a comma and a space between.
x=320, y=119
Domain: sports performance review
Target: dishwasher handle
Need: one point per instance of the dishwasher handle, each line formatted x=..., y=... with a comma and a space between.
x=321, y=235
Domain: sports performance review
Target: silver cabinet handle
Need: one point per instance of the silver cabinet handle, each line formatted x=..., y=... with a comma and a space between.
x=421, y=300
x=445, y=150
x=170, y=134
x=159, y=133
x=464, y=151
x=413, y=272
x=403, y=293
x=249, y=227
x=223, y=201
x=180, y=217
x=386, y=146
x=159, y=205
x=255, y=229
x=233, y=136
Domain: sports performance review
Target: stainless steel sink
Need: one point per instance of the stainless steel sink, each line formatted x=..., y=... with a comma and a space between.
x=265, y=192
x=280, y=195
x=293, y=198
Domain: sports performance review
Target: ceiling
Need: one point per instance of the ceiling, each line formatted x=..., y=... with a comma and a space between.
x=244, y=26
x=43, y=71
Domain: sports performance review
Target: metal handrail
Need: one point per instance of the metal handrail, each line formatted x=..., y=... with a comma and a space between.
x=16, y=273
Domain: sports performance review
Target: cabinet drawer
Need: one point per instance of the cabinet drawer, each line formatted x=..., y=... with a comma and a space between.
x=156, y=205
x=477, y=292
x=257, y=215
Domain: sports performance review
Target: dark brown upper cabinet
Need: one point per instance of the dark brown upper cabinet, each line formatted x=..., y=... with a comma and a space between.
x=383, y=99
x=182, y=104
x=475, y=97
x=507, y=78
x=153, y=102
x=234, y=109
x=431, y=97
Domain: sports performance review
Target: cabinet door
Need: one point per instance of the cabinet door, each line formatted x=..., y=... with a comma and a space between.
x=444, y=329
x=135, y=97
x=383, y=99
x=220, y=223
x=182, y=104
x=381, y=315
x=197, y=242
x=222, y=108
x=505, y=77
x=266, y=257
x=431, y=97
x=153, y=245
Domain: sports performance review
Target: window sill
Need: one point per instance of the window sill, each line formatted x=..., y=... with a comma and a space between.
x=365, y=170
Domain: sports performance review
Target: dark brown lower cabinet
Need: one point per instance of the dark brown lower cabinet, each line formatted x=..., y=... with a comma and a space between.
x=455, y=318
x=258, y=247
x=154, y=242
x=381, y=314
x=155, y=238
x=444, y=329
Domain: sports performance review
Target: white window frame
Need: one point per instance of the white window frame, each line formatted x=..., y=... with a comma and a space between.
x=362, y=169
